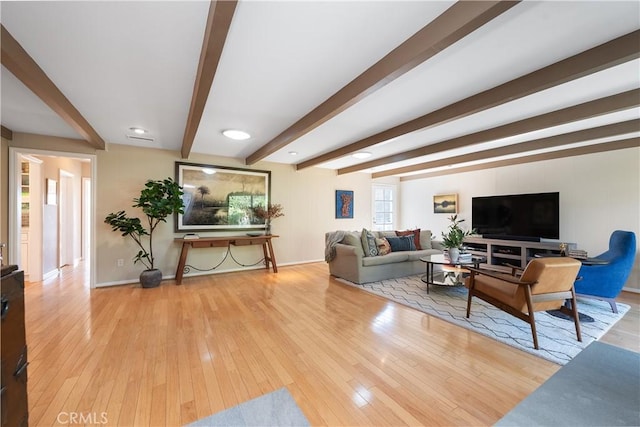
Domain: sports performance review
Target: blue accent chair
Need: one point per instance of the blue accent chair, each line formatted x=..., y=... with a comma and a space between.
x=604, y=282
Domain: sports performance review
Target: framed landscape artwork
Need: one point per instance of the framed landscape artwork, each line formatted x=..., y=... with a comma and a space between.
x=344, y=204
x=220, y=198
x=445, y=203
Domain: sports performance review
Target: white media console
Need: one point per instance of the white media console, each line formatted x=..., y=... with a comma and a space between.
x=500, y=252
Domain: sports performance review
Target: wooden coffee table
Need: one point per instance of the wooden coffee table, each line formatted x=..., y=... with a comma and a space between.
x=454, y=267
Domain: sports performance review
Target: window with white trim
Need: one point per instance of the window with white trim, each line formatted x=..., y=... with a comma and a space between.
x=384, y=207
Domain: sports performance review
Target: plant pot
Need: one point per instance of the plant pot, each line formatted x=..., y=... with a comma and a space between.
x=151, y=278
x=454, y=254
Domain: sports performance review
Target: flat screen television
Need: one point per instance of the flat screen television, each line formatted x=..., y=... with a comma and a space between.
x=517, y=217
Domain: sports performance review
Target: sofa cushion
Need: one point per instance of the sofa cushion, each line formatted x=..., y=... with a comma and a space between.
x=352, y=238
x=404, y=243
x=415, y=234
x=369, y=243
x=425, y=239
x=391, y=258
x=387, y=234
x=383, y=246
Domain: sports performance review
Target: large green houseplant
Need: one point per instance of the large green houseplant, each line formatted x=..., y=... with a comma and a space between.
x=158, y=199
x=454, y=237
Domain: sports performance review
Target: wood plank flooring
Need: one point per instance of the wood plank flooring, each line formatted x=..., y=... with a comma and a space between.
x=126, y=356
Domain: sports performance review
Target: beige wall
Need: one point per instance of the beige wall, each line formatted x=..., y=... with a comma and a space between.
x=307, y=197
x=599, y=193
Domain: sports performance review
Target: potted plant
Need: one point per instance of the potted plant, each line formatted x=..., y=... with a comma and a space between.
x=158, y=199
x=454, y=237
x=267, y=214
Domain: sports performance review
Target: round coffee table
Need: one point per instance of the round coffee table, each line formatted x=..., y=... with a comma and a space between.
x=454, y=267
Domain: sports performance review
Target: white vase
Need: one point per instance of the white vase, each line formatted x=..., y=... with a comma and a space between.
x=454, y=254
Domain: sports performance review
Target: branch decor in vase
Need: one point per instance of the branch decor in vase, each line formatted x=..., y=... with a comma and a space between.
x=267, y=214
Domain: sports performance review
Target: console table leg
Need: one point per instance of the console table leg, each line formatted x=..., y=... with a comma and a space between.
x=272, y=257
x=182, y=262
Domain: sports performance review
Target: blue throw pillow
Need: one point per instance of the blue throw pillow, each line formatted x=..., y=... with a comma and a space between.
x=403, y=243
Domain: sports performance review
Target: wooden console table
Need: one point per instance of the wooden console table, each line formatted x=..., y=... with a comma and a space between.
x=226, y=242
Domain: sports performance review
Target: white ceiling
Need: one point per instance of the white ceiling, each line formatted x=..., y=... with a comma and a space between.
x=124, y=64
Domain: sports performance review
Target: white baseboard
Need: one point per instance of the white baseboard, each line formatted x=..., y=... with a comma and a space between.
x=51, y=274
x=204, y=273
x=632, y=290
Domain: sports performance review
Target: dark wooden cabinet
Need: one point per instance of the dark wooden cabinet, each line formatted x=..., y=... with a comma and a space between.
x=14, y=409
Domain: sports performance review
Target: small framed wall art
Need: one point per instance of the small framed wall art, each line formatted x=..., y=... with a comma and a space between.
x=344, y=204
x=445, y=203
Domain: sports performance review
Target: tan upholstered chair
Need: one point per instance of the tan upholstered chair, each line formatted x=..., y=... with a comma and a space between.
x=545, y=284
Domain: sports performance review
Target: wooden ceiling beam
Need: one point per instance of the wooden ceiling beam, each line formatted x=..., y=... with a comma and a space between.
x=571, y=152
x=607, y=55
x=459, y=20
x=7, y=133
x=591, y=134
x=598, y=107
x=218, y=24
x=21, y=65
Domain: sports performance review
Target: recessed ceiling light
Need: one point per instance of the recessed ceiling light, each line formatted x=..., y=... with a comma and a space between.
x=293, y=153
x=138, y=131
x=362, y=155
x=235, y=134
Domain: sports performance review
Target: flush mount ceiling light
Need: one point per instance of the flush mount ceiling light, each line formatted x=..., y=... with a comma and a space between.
x=137, y=131
x=208, y=171
x=361, y=155
x=293, y=153
x=237, y=135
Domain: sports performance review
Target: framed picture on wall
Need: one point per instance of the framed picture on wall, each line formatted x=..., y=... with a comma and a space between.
x=219, y=198
x=445, y=203
x=344, y=204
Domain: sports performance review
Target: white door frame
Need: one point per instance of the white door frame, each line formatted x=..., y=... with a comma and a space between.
x=87, y=202
x=15, y=154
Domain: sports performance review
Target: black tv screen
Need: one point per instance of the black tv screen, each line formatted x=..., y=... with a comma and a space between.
x=517, y=216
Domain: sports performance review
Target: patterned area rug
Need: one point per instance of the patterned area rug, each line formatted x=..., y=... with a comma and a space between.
x=556, y=337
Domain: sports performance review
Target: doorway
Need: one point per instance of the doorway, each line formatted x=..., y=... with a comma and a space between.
x=62, y=232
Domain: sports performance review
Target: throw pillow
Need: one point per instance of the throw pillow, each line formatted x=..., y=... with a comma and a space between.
x=383, y=246
x=403, y=243
x=368, y=243
x=416, y=236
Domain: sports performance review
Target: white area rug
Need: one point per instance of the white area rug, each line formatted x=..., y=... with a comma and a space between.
x=556, y=337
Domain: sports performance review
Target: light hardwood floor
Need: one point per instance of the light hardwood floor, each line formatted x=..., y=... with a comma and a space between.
x=174, y=354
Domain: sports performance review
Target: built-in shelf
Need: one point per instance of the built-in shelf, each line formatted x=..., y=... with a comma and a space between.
x=24, y=184
x=500, y=253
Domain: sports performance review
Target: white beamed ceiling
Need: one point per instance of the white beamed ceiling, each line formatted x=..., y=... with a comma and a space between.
x=124, y=64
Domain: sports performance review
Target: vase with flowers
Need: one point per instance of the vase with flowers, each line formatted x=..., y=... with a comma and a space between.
x=454, y=237
x=267, y=214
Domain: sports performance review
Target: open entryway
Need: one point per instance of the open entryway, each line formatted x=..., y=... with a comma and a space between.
x=50, y=211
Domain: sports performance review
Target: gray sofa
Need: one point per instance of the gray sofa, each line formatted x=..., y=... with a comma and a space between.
x=349, y=262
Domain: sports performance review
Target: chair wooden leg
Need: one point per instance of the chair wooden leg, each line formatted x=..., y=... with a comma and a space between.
x=576, y=315
x=532, y=320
